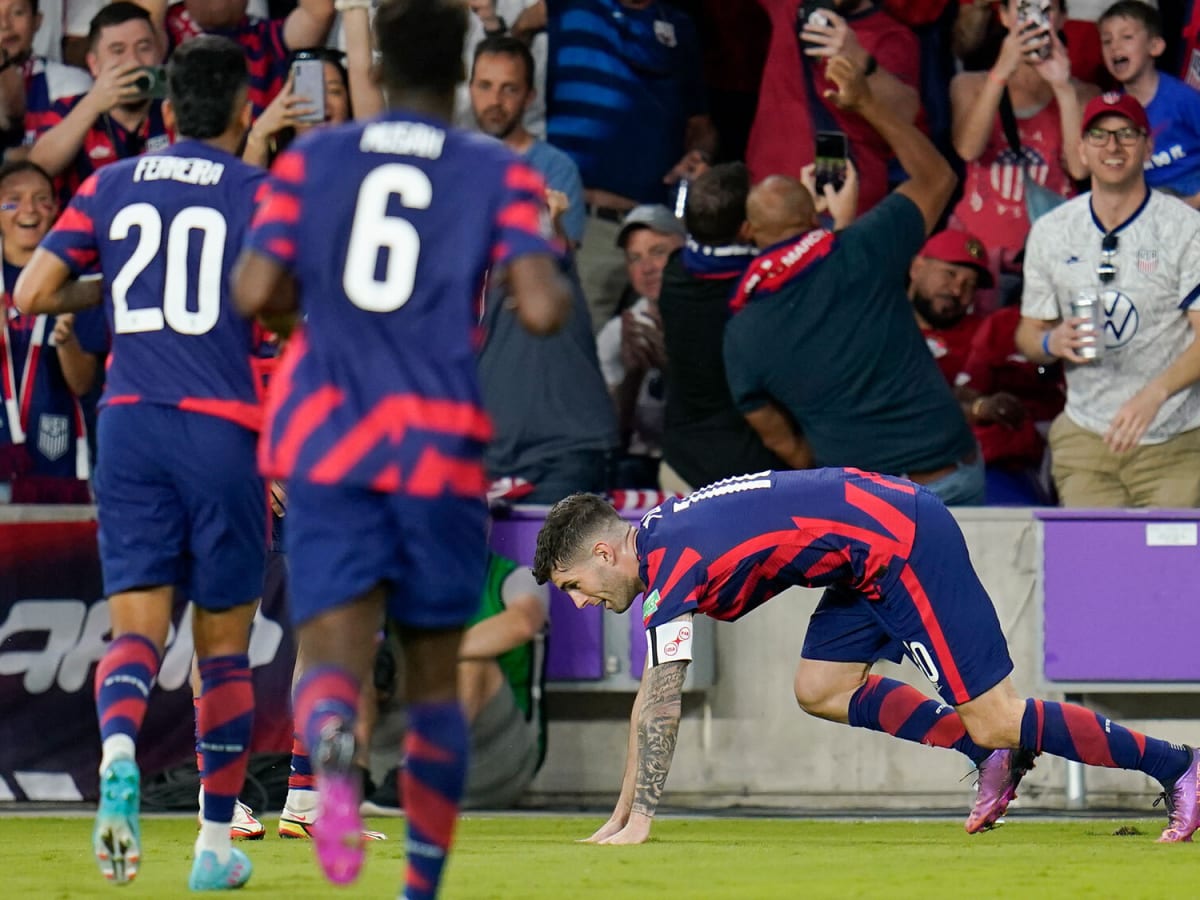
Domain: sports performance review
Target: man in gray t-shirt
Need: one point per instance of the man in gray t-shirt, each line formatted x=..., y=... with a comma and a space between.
x=1130, y=433
x=555, y=425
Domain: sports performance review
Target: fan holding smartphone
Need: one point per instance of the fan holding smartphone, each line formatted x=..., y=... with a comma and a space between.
x=308, y=81
x=832, y=180
x=316, y=93
x=879, y=47
x=830, y=161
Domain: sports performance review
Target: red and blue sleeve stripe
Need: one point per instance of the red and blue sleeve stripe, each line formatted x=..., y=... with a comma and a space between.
x=273, y=232
x=73, y=238
x=522, y=221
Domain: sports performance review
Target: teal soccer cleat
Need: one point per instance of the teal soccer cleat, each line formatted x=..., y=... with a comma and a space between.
x=116, y=839
x=208, y=874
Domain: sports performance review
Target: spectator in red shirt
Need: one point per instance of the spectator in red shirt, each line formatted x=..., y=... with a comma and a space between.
x=1045, y=104
x=942, y=282
x=782, y=140
x=1011, y=402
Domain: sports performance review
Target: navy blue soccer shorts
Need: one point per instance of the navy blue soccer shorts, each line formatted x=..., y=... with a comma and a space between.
x=933, y=609
x=429, y=553
x=180, y=503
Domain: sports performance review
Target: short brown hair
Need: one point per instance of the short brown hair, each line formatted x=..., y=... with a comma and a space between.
x=1136, y=11
x=569, y=525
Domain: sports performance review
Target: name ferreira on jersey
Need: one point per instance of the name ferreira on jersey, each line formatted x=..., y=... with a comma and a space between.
x=202, y=172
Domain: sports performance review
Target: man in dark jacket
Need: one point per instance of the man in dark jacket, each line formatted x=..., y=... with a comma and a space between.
x=705, y=438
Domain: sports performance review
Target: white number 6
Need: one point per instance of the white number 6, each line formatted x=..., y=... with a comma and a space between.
x=374, y=231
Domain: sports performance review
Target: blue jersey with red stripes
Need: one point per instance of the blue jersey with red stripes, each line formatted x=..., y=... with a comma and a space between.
x=261, y=39
x=389, y=227
x=726, y=549
x=165, y=230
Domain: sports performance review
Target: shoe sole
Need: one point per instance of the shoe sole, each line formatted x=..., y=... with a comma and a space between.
x=994, y=814
x=117, y=851
x=295, y=831
x=115, y=839
x=1000, y=807
x=339, y=841
x=301, y=831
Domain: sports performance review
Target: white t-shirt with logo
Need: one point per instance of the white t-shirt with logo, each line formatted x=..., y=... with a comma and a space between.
x=1158, y=280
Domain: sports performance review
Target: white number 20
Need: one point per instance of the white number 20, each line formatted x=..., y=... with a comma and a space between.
x=174, y=312
x=375, y=231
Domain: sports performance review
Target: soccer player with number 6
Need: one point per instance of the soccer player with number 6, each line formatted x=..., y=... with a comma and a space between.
x=382, y=232
x=181, y=506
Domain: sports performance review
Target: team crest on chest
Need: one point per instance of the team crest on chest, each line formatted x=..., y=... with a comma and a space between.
x=1147, y=261
x=54, y=436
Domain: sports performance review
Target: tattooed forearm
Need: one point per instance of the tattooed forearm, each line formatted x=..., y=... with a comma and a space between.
x=658, y=728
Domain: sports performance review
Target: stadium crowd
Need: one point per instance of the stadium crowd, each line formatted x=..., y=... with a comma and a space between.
x=625, y=107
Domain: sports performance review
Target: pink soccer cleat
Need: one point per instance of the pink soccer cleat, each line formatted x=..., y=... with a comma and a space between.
x=338, y=838
x=999, y=776
x=1183, y=804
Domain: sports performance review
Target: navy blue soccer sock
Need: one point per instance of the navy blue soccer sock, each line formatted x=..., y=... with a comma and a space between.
x=434, y=777
x=899, y=709
x=1076, y=733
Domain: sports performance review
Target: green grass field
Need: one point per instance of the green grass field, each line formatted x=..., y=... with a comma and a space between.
x=536, y=857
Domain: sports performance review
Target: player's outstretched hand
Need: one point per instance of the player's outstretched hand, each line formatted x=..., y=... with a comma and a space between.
x=636, y=831
x=605, y=831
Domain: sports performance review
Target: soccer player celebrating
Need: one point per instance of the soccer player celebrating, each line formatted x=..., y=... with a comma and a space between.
x=386, y=230
x=180, y=503
x=896, y=572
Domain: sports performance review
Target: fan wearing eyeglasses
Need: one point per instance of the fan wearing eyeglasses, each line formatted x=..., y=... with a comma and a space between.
x=1130, y=433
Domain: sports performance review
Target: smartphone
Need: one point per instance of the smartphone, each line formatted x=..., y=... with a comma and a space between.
x=151, y=82
x=308, y=80
x=813, y=12
x=1035, y=16
x=830, y=162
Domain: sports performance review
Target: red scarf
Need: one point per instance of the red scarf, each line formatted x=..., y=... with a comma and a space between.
x=780, y=264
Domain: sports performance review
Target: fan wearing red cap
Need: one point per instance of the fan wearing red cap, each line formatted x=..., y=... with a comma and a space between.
x=1114, y=104
x=942, y=281
x=1116, y=142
